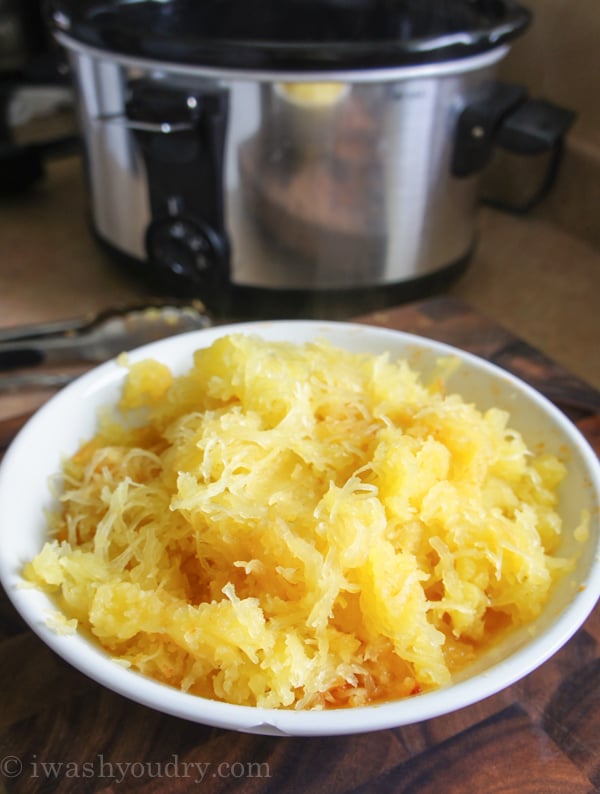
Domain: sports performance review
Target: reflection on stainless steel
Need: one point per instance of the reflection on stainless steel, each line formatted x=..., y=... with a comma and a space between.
x=357, y=194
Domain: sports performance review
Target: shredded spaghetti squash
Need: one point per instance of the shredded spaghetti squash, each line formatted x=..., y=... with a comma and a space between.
x=297, y=526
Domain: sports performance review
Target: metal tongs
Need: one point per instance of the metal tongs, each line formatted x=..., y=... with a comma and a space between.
x=50, y=355
x=88, y=340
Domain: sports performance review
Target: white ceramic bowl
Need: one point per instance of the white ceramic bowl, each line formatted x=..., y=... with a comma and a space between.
x=68, y=418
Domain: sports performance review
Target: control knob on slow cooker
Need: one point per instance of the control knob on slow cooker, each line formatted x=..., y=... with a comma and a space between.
x=188, y=250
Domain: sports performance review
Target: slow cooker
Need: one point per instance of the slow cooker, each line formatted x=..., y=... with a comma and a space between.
x=301, y=150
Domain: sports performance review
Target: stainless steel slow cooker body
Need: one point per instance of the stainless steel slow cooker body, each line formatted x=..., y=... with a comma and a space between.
x=289, y=171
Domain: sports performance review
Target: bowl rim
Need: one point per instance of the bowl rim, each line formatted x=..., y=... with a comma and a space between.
x=88, y=657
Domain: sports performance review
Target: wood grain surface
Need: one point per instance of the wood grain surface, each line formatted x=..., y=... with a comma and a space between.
x=61, y=732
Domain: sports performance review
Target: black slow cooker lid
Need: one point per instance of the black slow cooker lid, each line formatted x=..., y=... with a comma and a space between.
x=298, y=35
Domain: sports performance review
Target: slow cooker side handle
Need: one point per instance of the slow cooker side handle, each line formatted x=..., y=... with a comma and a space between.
x=508, y=119
x=478, y=126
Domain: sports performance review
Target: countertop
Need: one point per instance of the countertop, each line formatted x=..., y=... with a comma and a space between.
x=529, y=300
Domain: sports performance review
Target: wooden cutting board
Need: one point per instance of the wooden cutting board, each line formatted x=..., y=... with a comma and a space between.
x=61, y=732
